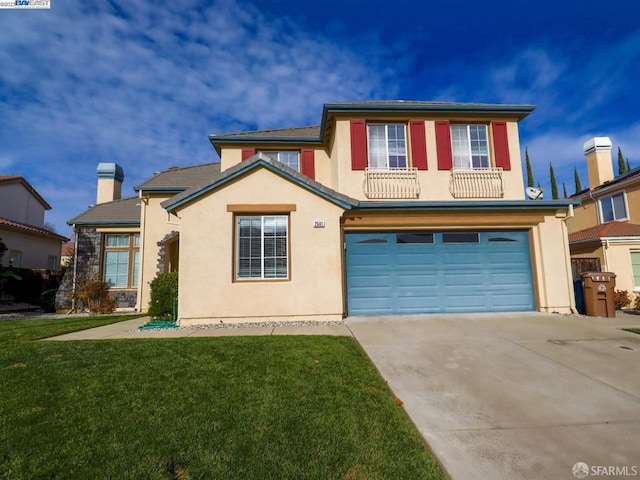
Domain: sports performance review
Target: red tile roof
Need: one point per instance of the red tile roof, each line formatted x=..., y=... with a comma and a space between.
x=606, y=230
x=23, y=227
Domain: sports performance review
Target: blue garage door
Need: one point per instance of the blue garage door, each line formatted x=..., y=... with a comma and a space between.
x=424, y=272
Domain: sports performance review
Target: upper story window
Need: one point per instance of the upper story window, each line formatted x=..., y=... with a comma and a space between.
x=289, y=158
x=121, y=260
x=387, y=145
x=613, y=207
x=470, y=146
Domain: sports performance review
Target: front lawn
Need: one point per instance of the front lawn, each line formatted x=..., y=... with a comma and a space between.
x=632, y=330
x=273, y=407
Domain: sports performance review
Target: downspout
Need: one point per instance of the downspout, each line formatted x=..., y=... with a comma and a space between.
x=75, y=271
x=567, y=252
x=605, y=244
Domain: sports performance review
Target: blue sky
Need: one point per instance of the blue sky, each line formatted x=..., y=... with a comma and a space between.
x=143, y=83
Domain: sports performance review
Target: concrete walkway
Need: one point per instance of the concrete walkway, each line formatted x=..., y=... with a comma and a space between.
x=129, y=329
x=515, y=396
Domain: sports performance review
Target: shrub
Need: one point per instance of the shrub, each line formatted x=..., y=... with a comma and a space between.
x=93, y=295
x=164, y=291
x=48, y=300
x=636, y=303
x=622, y=299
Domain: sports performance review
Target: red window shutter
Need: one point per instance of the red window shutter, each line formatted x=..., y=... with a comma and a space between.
x=248, y=152
x=443, y=145
x=359, y=155
x=418, y=144
x=501, y=145
x=308, y=163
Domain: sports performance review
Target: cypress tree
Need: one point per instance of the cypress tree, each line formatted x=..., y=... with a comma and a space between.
x=530, y=181
x=577, y=180
x=628, y=166
x=622, y=167
x=554, y=185
x=564, y=189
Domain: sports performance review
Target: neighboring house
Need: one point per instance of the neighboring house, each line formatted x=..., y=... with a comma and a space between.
x=384, y=208
x=22, y=212
x=604, y=232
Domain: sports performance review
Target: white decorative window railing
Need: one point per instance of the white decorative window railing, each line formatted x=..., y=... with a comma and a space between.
x=391, y=183
x=477, y=183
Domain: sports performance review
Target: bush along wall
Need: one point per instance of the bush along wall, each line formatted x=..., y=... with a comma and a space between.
x=164, y=292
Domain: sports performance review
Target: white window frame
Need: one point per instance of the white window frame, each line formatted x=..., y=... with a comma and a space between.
x=281, y=156
x=386, y=153
x=266, y=272
x=636, y=284
x=613, y=210
x=463, y=151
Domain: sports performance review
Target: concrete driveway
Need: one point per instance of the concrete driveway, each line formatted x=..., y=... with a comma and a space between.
x=515, y=396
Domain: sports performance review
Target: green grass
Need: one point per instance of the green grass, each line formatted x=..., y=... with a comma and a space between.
x=272, y=407
x=632, y=330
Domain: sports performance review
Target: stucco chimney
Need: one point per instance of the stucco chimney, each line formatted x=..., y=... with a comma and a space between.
x=599, y=164
x=110, y=177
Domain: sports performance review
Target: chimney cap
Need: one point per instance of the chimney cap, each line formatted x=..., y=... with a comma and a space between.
x=596, y=144
x=110, y=171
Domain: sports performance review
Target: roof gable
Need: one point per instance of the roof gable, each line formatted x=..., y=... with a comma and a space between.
x=11, y=179
x=257, y=161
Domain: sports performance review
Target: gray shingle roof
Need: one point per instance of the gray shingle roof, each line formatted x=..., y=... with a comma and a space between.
x=295, y=132
x=119, y=212
x=253, y=162
x=178, y=179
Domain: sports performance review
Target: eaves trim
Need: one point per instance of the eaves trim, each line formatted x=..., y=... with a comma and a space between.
x=102, y=223
x=469, y=205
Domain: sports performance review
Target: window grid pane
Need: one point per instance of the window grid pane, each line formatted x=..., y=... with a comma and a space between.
x=635, y=265
x=470, y=146
x=619, y=209
x=607, y=209
x=262, y=247
x=136, y=269
x=290, y=159
x=117, y=240
x=116, y=268
x=387, y=146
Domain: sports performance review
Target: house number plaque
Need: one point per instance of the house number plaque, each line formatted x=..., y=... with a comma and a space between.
x=318, y=224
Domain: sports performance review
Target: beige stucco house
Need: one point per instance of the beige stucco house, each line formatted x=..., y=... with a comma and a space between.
x=384, y=208
x=604, y=233
x=22, y=227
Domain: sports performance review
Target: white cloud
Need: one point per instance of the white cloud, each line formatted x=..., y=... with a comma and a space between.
x=142, y=84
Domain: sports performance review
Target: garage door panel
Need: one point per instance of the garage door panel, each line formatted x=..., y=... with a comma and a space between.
x=463, y=279
x=490, y=271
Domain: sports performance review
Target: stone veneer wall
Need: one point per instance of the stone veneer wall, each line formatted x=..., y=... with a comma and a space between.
x=88, y=257
x=162, y=253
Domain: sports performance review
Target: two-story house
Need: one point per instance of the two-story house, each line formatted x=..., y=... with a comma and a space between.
x=604, y=232
x=384, y=208
x=22, y=227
